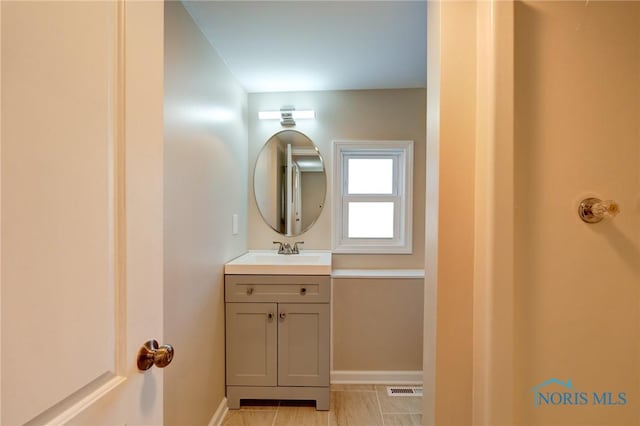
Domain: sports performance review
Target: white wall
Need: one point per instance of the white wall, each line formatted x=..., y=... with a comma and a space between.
x=205, y=183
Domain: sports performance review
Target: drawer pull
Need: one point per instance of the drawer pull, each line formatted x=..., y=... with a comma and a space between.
x=249, y=291
x=303, y=291
x=283, y=315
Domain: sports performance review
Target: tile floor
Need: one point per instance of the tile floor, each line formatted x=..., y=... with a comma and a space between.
x=351, y=405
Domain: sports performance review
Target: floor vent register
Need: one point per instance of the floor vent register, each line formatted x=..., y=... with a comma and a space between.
x=404, y=391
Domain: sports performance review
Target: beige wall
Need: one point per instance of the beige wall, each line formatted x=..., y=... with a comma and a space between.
x=269, y=188
x=312, y=199
x=360, y=322
x=205, y=183
x=577, y=100
x=574, y=314
x=361, y=114
x=377, y=324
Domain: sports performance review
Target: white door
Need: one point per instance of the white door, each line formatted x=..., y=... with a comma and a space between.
x=81, y=211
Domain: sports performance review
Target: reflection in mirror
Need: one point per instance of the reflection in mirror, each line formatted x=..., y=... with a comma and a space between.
x=289, y=182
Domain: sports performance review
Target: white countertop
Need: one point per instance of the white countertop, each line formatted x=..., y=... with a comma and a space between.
x=269, y=262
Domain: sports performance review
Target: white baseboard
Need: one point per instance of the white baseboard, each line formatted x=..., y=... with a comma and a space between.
x=376, y=377
x=218, y=416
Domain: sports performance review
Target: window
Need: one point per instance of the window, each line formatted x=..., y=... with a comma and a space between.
x=372, y=204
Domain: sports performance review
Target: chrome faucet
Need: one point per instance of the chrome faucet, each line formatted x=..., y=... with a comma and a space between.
x=286, y=248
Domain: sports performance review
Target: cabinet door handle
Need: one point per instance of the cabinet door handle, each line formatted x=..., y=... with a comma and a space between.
x=303, y=291
x=270, y=316
x=283, y=315
x=249, y=291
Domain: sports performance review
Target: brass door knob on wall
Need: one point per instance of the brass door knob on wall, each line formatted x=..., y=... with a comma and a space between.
x=593, y=210
x=151, y=354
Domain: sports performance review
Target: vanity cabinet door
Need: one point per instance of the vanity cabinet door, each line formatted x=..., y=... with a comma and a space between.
x=303, y=344
x=251, y=344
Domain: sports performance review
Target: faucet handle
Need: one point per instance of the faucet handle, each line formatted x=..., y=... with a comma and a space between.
x=296, y=249
x=280, y=246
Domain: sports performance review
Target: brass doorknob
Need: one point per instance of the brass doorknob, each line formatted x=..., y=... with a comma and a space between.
x=593, y=210
x=151, y=354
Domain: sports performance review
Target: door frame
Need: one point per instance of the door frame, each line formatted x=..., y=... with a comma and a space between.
x=488, y=397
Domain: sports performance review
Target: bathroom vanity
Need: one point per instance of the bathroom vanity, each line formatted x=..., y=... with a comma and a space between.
x=278, y=327
x=277, y=305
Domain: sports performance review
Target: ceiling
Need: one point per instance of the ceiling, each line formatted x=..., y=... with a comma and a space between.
x=279, y=46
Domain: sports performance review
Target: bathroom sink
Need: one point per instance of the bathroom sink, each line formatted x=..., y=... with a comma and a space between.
x=269, y=262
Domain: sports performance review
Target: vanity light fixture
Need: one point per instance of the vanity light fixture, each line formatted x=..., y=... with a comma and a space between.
x=287, y=115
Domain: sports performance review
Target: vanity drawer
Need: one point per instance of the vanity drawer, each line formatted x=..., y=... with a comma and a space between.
x=278, y=288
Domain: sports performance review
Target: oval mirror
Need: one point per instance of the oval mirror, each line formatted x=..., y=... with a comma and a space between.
x=289, y=182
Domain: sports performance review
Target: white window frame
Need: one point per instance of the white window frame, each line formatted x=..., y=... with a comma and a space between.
x=402, y=196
